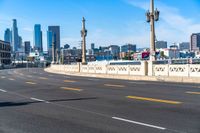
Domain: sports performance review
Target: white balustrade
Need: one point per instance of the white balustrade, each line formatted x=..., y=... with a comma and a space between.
x=183, y=70
x=178, y=70
x=194, y=70
x=161, y=70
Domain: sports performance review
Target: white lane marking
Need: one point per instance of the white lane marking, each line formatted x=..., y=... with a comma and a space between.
x=139, y=123
x=11, y=79
x=3, y=90
x=39, y=100
x=3, y=77
x=21, y=74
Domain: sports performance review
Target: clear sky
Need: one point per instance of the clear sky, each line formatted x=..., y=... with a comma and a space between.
x=107, y=21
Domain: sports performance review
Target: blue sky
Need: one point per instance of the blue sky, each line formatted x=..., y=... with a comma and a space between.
x=108, y=21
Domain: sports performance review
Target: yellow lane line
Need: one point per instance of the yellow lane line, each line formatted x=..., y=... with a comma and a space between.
x=154, y=100
x=69, y=81
x=112, y=85
x=43, y=78
x=71, y=89
x=191, y=92
x=32, y=83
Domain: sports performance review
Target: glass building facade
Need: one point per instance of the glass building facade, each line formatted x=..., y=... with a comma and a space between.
x=15, y=36
x=7, y=36
x=38, y=38
x=55, y=30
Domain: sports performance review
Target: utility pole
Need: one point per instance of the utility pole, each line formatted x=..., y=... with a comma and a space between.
x=83, y=35
x=152, y=16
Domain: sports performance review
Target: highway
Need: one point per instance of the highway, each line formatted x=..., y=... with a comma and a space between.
x=34, y=101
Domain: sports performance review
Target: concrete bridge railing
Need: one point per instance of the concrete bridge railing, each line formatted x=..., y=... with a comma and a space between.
x=104, y=69
x=143, y=69
x=183, y=70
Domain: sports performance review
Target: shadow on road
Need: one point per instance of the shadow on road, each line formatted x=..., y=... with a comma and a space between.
x=14, y=104
x=73, y=99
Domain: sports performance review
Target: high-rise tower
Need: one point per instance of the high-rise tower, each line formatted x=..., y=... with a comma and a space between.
x=15, y=36
x=38, y=38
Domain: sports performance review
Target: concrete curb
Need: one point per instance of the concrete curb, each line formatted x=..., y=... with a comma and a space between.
x=128, y=77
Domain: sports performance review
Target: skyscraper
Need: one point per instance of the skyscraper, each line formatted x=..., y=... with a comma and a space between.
x=7, y=35
x=27, y=46
x=15, y=36
x=184, y=46
x=128, y=48
x=92, y=45
x=56, y=32
x=49, y=39
x=20, y=42
x=195, y=42
x=38, y=38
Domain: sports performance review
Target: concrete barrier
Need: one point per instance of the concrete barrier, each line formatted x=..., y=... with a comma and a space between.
x=143, y=71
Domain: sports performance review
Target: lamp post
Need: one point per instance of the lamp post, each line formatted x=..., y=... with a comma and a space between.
x=53, y=49
x=152, y=16
x=83, y=35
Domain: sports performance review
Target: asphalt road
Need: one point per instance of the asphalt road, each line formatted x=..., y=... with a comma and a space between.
x=34, y=101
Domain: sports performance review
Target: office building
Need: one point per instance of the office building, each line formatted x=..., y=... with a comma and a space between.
x=5, y=53
x=15, y=36
x=128, y=48
x=115, y=50
x=27, y=46
x=38, y=38
x=7, y=35
x=184, y=46
x=92, y=46
x=160, y=44
x=195, y=42
x=54, y=30
x=20, y=42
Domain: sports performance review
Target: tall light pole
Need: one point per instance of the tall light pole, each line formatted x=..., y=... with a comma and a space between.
x=53, y=49
x=83, y=35
x=151, y=17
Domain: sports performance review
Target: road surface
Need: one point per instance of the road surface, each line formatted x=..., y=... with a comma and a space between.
x=34, y=101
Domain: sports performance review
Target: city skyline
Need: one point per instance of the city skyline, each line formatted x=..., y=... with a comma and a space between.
x=108, y=22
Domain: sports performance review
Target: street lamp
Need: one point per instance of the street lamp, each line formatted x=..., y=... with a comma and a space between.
x=151, y=17
x=83, y=35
